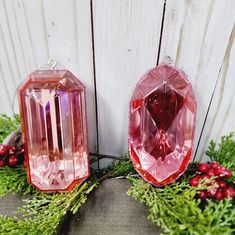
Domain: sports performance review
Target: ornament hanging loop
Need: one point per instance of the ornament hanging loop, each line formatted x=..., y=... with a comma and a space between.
x=167, y=60
x=52, y=63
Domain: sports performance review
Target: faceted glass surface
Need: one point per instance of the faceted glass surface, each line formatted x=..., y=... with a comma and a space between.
x=162, y=124
x=53, y=112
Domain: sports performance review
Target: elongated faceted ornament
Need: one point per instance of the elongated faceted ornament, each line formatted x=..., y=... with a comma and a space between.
x=162, y=124
x=53, y=112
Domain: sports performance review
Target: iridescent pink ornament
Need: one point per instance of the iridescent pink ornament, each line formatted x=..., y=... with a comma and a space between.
x=53, y=112
x=162, y=123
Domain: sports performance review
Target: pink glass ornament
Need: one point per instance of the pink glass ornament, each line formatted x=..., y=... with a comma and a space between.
x=162, y=123
x=53, y=112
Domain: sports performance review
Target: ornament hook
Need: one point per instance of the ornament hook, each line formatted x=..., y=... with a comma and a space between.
x=52, y=63
x=167, y=60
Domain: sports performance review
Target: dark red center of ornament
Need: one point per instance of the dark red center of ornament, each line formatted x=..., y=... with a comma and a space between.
x=163, y=106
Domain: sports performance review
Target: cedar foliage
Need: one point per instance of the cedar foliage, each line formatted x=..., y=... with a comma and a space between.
x=43, y=212
x=177, y=209
x=174, y=207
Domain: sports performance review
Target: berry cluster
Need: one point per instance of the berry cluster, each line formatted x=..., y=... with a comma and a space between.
x=11, y=155
x=220, y=189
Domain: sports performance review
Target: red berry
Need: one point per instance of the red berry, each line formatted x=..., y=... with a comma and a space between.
x=202, y=194
x=223, y=172
x=202, y=178
x=194, y=181
x=214, y=184
x=228, y=174
x=11, y=149
x=214, y=165
x=221, y=183
x=3, y=149
x=211, y=172
x=12, y=161
x=211, y=192
x=20, y=150
x=205, y=177
x=220, y=171
x=203, y=167
x=229, y=191
x=2, y=163
x=219, y=195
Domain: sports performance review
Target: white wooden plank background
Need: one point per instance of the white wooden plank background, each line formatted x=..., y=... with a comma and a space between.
x=126, y=37
x=195, y=36
x=110, y=44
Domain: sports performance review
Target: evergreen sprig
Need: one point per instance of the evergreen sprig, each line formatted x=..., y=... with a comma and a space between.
x=8, y=125
x=175, y=208
x=14, y=180
x=44, y=212
x=123, y=167
x=224, y=152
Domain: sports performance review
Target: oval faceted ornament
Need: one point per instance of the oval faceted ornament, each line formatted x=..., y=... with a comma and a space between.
x=161, y=124
x=53, y=112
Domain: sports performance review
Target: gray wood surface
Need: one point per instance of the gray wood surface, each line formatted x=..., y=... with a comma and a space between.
x=9, y=204
x=108, y=211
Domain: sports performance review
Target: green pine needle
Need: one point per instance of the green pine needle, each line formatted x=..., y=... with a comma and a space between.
x=176, y=210
x=123, y=167
x=8, y=125
x=14, y=180
x=224, y=152
x=44, y=212
x=173, y=207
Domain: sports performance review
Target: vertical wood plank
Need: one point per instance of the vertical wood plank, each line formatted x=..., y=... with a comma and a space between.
x=68, y=26
x=19, y=37
x=195, y=36
x=34, y=16
x=221, y=116
x=12, y=59
x=126, y=36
